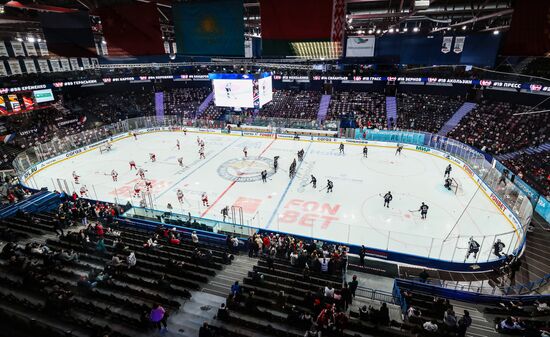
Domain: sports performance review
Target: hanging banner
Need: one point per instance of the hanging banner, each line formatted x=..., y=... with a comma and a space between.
x=65, y=65
x=74, y=63
x=174, y=48
x=43, y=66
x=28, y=102
x=55, y=65
x=85, y=62
x=95, y=62
x=30, y=66
x=459, y=44
x=3, y=49
x=360, y=46
x=14, y=103
x=166, y=47
x=446, y=45
x=43, y=48
x=248, y=48
x=3, y=108
x=31, y=50
x=3, y=71
x=15, y=67
x=17, y=48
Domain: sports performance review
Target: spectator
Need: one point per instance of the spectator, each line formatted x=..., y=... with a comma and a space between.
x=158, y=317
x=131, y=260
x=424, y=276
x=464, y=323
x=195, y=238
x=450, y=319
x=353, y=284
x=430, y=326
x=205, y=331
x=384, y=313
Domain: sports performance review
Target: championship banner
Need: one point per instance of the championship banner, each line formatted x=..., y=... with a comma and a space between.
x=166, y=47
x=15, y=67
x=446, y=45
x=174, y=48
x=3, y=109
x=31, y=50
x=95, y=62
x=43, y=47
x=65, y=65
x=17, y=48
x=210, y=27
x=14, y=103
x=360, y=46
x=55, y=65
x=459, y=44
x=132, y=29
x=3, y=49
x=3, y=71
x=85, y=63
x=43, y=66
x=74, y=63
x=29, y=66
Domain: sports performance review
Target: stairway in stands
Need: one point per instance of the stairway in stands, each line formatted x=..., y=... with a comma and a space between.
x=239, y=268
x=456, y=118
x=323, y=108
x=530, y=150
x=205, y=103
x=391, y=110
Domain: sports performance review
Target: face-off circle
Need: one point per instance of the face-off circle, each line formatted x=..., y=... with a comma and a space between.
x=246, y=169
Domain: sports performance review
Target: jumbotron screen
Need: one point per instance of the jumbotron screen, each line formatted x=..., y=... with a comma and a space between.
x=242, y=90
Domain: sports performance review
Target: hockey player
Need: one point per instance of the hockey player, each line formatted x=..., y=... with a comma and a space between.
x=275, y=163
x=185, y=131
x=398, y=150
x=292, y=169
x=83, y=191
x=313, y=181
x=498, y=247
x=135, y=135
x=264, y=176
x=180, y=161
x=114, y=175
x=473, y=248
x=137, y=190
x=301, y=155
x=179, y=193
x=201, y=143
x=448, y=170
x=423, y=210
x=141, y=173
x=225, y=212
x=341, y=148
x=178, y=143
x=198, y=141
x=330, y=185
x=448, y=183
x=132, y=165
x=365, y=151
x=204, y=199
x=245, y=151
x=153, y=157
x=148, y=185
x=76, y=177
x=387, y=198
x=201, y=153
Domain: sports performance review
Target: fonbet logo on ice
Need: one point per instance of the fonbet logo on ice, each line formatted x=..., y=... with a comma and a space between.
x=246, y=169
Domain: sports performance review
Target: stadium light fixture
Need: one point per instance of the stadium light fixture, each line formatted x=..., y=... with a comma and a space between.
x=405, y=30
x=390, y=30
x=496, y=32
x=19, y=39
x=31, y=39
x=464, y=27
x=370, y=31
x=103, y=42
x=416, y=29
x=378, y=31
x=39, y=40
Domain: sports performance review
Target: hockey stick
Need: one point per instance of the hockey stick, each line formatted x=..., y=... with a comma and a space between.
x=324, y=188
x=413, y=211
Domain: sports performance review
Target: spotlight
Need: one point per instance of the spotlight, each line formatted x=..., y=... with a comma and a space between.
x=496, y=32
x=464, y=27
x=370, y=31
x=405, y=30
x=416, y=29
x=31, y=39
x=378, y=31
x=390, y=30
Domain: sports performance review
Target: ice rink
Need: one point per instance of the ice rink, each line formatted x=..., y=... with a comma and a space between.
x=352, y=213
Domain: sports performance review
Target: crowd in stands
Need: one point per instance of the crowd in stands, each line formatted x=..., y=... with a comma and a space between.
x=425, y=112
x=300, y=104
x=534, y=169
x=368, y=108
x=184, y=101
x=493, y=127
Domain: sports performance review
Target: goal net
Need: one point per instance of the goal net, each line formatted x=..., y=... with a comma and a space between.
x=455, y=186
x=105, y=147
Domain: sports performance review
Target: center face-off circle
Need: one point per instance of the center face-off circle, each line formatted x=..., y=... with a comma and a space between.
x=246, y=169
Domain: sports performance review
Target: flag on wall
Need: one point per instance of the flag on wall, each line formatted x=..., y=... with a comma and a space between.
x=68, y=34
x=3, y=109
x=132, y=29
x=529, y=34
x=286, y=32
x=210, y=27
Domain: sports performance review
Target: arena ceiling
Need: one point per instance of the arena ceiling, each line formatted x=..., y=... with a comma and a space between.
x=363, y=16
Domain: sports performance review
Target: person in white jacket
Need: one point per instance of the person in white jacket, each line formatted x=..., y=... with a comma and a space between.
x=131, y=260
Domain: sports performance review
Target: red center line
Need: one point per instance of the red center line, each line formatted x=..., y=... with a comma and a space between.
x=233, y=182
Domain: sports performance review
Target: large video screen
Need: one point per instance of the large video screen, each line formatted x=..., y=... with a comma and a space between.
x=233, y=92
x=265, y=88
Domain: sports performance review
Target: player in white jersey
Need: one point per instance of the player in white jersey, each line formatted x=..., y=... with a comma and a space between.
x=76, y=177
x=204, y=199
x=114, y=175
x=180, y=196
x=198, y=141
x=83, y=191
x=141, y=173
x=137, y=190
x=180, y=161
x=201, y=153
